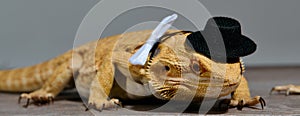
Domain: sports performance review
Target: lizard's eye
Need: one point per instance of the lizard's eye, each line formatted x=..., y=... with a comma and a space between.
x=167, y=68
x=195, y=67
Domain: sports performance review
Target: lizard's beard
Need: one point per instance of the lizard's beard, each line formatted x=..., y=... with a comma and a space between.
x=183, y=88
x=164, y=92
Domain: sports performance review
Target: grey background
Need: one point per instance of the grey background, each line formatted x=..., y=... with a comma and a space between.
x=32, y=31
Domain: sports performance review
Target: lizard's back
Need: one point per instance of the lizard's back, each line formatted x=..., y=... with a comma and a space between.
x=83, y=61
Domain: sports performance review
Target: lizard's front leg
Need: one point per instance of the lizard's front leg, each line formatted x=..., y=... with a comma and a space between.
x=287, y=88
x=53, y=86
x=101, y=87
x=241, y=97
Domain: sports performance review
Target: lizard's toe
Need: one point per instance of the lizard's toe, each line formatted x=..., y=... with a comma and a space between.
x=104, y=104
x=27, y=103
x=241, y=103
x=288, y=89
x=38, y=98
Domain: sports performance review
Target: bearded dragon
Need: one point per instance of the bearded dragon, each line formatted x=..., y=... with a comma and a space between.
x=103, y=73
x=167, y=71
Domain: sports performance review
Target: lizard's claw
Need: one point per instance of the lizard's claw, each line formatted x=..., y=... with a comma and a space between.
x=262, y=102
x=287, y=88
x=37, y=98
x=27, y=103
x=241, y=103
x=104, y=104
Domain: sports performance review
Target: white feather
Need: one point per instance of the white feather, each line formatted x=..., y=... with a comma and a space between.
x=140, y=57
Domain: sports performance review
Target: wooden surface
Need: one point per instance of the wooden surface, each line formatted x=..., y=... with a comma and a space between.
x=261, y=80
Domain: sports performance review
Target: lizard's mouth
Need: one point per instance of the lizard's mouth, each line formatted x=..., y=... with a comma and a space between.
x=173, y=87
x=163, y=91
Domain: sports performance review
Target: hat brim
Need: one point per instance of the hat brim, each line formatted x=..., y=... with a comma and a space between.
x=245, y=46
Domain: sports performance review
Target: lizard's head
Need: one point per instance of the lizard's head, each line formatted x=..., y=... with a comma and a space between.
x=176, y=72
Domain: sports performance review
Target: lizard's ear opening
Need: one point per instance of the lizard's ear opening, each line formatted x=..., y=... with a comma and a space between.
x=204, y=62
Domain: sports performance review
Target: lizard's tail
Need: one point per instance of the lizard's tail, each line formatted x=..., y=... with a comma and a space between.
x=24, y=79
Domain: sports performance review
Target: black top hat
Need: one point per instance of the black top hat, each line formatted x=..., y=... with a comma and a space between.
x=218, y=32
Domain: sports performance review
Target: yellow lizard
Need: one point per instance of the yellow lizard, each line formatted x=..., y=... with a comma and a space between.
x=173, y=71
